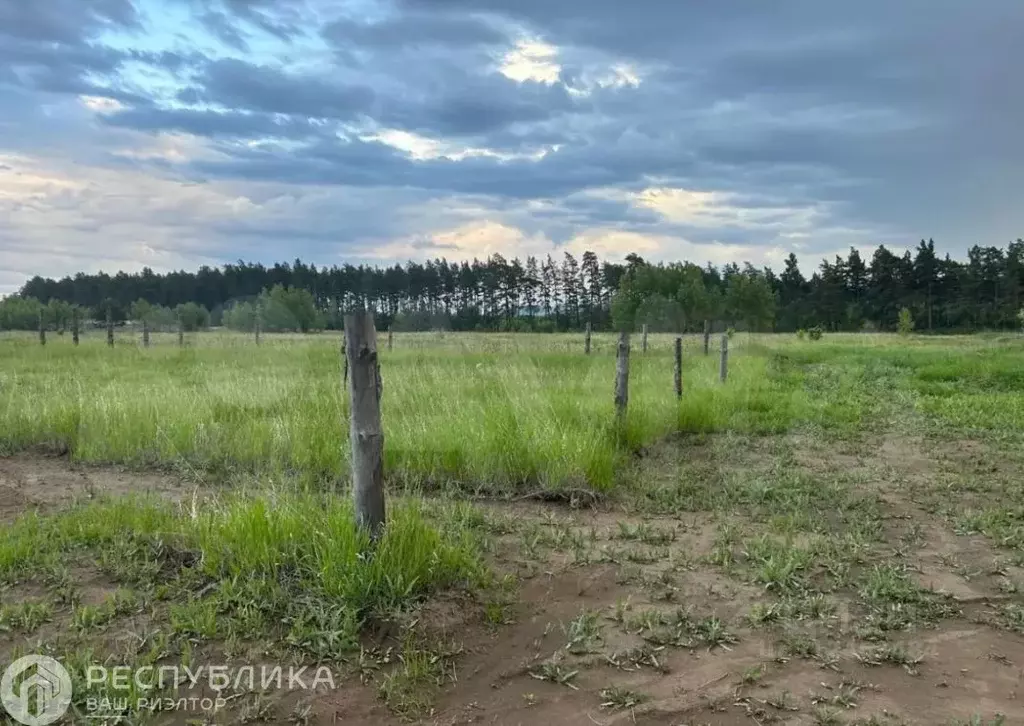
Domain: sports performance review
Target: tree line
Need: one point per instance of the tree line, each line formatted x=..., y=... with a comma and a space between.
x=556, y=293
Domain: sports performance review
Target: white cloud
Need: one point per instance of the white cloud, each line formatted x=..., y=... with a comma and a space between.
x=477, y=239
x=421, y=147
x=712, y=209
x=64, y=218
x=616, y=244
x=531, y=60
x=100, y=104
x=174, y=147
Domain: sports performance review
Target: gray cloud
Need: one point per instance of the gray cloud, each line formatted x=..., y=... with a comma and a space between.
x=211, y=123
x=47, y=45
x=875, y=118
x=220, y=25
x=236, y=84
x=63, y=21
x=281, y=18
x=417, y=30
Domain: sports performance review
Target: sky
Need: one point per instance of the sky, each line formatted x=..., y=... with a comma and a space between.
x=177, y=133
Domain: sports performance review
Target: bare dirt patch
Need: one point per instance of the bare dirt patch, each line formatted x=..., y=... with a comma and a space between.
x=32, y=482
x=620, y=617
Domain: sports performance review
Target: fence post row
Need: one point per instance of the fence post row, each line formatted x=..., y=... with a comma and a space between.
x=622, y=378
x=679, y=368
x=366, y=433
x=723, y=370
x=586, y=340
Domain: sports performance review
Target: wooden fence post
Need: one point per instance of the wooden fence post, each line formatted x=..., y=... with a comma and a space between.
x=679, y=368
x=586, y=341
x=707, y=336
x=723, y=369
x=390, y=339
x=74, y=326
x=42, y=328
x=110, y=328
x=644, y=346
x=259, y=323
x=367, y=436
x=145, y=333
x=622, y=378
x=181, y=332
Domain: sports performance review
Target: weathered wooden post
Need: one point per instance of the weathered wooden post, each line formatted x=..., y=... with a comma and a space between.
x=145, y=333
x=644, y=346
x=723, y=369
x=42, y=328
x=366, y=434
x=679, y=368
x=74, y=326
x=622, y=378
x=586, y=341
x=181, y=332
x=707, y=336
x=390, y=339
x=110, y=327
x=258, y=326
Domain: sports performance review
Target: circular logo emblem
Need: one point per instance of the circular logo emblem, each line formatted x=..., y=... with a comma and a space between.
x=36, y=690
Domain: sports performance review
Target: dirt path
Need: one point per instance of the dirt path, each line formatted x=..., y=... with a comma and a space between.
x=31, y=482
x=767, y=581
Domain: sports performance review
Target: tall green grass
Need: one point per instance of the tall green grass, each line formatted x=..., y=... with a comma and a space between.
x=478, y=411
x=278, y=548
x=458, y=412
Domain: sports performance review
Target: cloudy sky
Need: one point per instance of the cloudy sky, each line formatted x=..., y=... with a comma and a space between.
x=175, y=133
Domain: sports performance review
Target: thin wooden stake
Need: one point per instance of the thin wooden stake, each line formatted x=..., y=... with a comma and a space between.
x=586, y=341
x=259, y=323
x=145, y=333
x=42, y=328
x=366, y=433
x=622, y=378
x=110, y=328
x=74, y=326
x=679, y=368
x=707, y=336
x=390, y=339
x=723, y=370
x=645, y=338
x=181, y=332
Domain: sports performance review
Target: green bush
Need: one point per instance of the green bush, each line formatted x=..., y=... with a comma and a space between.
x=905, y=323
x=193, y=317
x=815, y=333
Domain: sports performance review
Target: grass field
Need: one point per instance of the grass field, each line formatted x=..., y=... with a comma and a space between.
x=496, y=412
x=756, y=553
x=477, y=411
